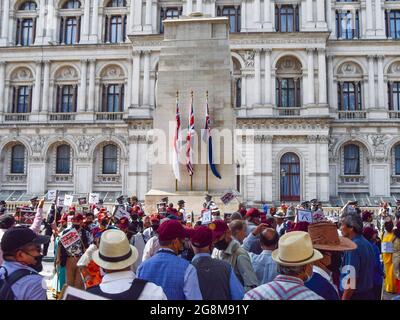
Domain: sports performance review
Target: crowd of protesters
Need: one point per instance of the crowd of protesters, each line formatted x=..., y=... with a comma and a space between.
x=253, y=254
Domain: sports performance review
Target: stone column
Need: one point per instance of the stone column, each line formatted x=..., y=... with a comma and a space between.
x=309, y=7
x=267, y=168
x=321, y=22
x=257, y=168
x=128, y=86
x=370, y=30
x=199, y=5
x=310, y=70
x=5, y=22
x=7, y=97
x=147, y=26
x=267, y=15
x=41, y=23
x=46, y=86
x=322, y=77
x=257, y=11
x=82, y=91
x=85, y=25
x=379, y=13
x=137, y=12
x=95, y=22
x=381, y=89
x=332, y=89
x=2, y=86
x=92, y=84
x=38, y=82
x=257, y=76
x=371, y=82
x=243, y=13
x=135, y=78
x=189, y=6
x=267, y=75
x=50, y=22
x=146, y=78
x=332, y=21
x=51, y=96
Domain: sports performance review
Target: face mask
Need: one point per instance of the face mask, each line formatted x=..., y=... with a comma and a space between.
x=221, y=245
x=38, y=265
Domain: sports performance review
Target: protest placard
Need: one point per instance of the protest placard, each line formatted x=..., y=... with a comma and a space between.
x=94, y=198
x=304, y=215
x=68, y=198
x=206, y=217
x=228, y=197
x=24, y=215
x=387, y=247
x=71, y=293
x=52, y=195
x=71, y=241
x=82, y=201
x=60, y=202
x=120, y=213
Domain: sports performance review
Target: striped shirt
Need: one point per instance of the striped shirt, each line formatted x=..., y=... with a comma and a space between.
x=282, y=288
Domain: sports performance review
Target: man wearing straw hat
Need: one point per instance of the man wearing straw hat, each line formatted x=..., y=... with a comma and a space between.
x=325, y=238
x=294, y=256
x=116, y=256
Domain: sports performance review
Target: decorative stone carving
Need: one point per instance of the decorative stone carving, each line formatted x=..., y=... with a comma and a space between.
x=112, y=72
x=66, y=73
x=37, y=143
x=84, y=143
x=22, y=74
x=378, y=141
x=395, y=68
x=249, y=58
x=349, y=69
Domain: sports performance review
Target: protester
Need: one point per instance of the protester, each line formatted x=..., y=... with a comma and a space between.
x=294, y=257
x=280, y=219
x=236, y=216
x=215, y=213
x=6, y=222
x=209, y=202
x=356, y=279
x=151, y=231
x=369, y=234
x=175, y=275
x=115, y=256
x=89, y=270
x=217, y=279
x=253, y=220
x=136, y=239
x=49, y=226
x=396, y=256
x=153, y=245
x=229, y=250
x=264, y=267
x=3, y=207
x=387, y=240
x=325, y=238
x=238, y=229
x=22, y=256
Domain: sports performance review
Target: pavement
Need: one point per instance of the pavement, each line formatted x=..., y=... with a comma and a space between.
x=48, y=269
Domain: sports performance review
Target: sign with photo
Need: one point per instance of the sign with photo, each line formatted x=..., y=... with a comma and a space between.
x=162, y=208
x=68, y=198
x=120, y=213
x=304, y=215
x=94, y=198
x=60, y=202
x=387, y=247
x=227, y=197
x=71, y=241
x=206, y=217
x=24, y=215
x=82, y=201
x=52, y=195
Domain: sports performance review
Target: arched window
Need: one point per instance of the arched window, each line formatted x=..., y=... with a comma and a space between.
x=18, y=159
x=290, y=177
x=236, y=84
x=113, y=89
x=72, y=4
x=397, y=159
x=393, y=80
x=63, y=159
x=21, y=94
x=351, y=159
x=116, y=3
x=26, y=24
x=238, y=89
x=288, y=83
x=66, y=81
x=110, y=159
x=115, y=21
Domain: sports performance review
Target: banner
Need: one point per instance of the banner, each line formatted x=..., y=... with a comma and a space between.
x=52, y=195
x=94, y=198
x=68, y=198
x=304, y=215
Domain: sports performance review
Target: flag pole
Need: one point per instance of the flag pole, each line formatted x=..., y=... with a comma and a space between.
x=191, y=183
x=176, y=180
x=207, y=150
x=191, y=176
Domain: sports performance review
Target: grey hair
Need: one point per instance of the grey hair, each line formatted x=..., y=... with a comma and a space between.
x=352, y=220
x=290, y=270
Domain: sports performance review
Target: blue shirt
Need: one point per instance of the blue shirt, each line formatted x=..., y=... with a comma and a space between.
x=321, y=284
x=31, y=287
x=236, y=288
x=378, y=271
x=264, y=267
x=359, y=265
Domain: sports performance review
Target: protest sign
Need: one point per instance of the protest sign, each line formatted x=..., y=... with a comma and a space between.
x=68, y=198
x=24, y=215
x=71, y=293
x=60, y=202
x=227, y=197
x=82, y=201
x=94, y=198
x=120, y=213
x=52, y=195
x=387, y=247
x=206, y=217
x=304, y=215
x=71, y=241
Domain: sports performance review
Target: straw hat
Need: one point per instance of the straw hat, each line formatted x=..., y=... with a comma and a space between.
x=115, y=252
x=295, y=249
x=280, y=214
x=324, y=236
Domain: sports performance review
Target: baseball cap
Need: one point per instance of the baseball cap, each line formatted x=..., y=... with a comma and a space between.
x=18, y=237
x=201, y=237
x=218, y=228
x=171, y=230
x=253, y=213
x=6, y=221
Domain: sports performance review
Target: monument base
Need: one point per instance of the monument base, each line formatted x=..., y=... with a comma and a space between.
x=193, y=201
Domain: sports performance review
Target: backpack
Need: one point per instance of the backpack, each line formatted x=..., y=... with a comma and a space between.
x=133, y=293
x=6, y=292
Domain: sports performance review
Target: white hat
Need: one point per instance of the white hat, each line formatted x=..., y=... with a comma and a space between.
x=115, y=252
x=295, y=249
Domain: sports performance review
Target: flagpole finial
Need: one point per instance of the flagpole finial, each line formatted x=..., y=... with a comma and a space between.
x=207, y=93
x=177, y=93
x=191, y=93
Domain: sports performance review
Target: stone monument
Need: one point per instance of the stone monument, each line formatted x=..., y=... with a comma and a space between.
x=195, y=56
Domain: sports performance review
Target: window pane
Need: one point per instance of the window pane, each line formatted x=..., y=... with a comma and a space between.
x=72, y=4
x=63, y=159
x=17, y=159
x=110, y=158
x=351, y=159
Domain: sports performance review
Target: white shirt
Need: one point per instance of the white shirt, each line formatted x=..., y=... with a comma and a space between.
x=139, y=245
x=118, y=282
x=151, y=247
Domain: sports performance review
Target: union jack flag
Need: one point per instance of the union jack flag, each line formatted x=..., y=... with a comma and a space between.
x=175, y=163
x=189, y=139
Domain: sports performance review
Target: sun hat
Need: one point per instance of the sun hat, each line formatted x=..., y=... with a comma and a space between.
x=324, y=236
x=115, y=252
x=295, y=249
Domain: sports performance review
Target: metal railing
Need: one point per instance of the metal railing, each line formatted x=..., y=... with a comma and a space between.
x=394, y=114
x=109, y=116
x=359, y=114
x=61, y=116
x=287, y=111
x=16, y=117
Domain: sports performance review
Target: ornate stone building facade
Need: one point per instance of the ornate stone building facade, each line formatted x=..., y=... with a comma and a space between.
x=317, y=80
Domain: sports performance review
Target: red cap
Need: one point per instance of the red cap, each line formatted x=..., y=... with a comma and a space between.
x=218, y=228
x=201, y=237
x=77, y=218
x=253, y=213
x=171, y=229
